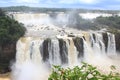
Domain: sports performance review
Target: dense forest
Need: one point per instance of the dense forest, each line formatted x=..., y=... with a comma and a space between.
x=10, y=32
x=111, y=22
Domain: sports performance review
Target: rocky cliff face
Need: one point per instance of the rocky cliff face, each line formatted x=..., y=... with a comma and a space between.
x=7, y=54
x=117, y=39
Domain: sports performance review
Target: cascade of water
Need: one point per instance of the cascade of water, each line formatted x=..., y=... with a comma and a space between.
x=36, y=55
x=97, y=43
x=90, y=48
x=88, y=52
x=94, y=47
x=111, y=50
x=54, y=55
x=60, y=51
x=72, y=53
x=23, y=51
x=63, y=51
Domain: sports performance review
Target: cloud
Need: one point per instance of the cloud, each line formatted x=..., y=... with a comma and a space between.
x=2, y=2
x=89, y=1
x=5, y=1
x=90, y=4
x=67, y=2
x=112, y=7
x=79, y=1
x=27, y=1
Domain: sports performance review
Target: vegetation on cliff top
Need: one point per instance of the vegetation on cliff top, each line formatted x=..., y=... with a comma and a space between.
x=10, y=30
x=111, y=22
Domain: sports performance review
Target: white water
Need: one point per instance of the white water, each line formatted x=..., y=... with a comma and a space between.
x=30, y=66
x=54, y=55
x=72, y=53
x=111, y=50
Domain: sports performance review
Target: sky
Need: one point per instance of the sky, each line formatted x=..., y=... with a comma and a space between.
x=87, y=4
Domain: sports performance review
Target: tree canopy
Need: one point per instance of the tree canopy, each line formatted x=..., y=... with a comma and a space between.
x=111, y=22
x=10, y=30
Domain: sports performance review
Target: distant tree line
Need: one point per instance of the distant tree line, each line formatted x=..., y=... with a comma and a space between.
x=45, y=10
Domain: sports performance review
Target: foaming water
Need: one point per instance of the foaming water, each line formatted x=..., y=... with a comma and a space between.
x=35, y=56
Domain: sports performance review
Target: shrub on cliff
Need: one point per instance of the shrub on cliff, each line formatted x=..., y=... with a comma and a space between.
x=10, y=30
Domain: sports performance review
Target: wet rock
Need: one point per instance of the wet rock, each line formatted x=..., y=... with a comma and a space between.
x=117, y=40
x=7, y=54
x=78, y=42
x=105, y=40
x=45, y=50
x=63, y=51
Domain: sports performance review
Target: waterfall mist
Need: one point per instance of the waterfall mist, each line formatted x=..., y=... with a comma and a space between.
x=29, y=71
x=72, y=19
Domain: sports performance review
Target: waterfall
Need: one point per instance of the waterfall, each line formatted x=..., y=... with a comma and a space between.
x=97, y=43
x=72, y=53
x=23, y=50
x=32, y=18
x=64, y=50
x=39, y=54
x=54, y=55
x=111, y=50
x=35, y=56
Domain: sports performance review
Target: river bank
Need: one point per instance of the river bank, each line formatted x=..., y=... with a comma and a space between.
x=5, y=76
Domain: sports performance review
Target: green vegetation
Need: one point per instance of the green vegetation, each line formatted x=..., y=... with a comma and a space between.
x=10, y=30
x=111, y=22
x=85, y=72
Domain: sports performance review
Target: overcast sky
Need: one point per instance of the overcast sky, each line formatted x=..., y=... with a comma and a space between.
x=89, y=4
